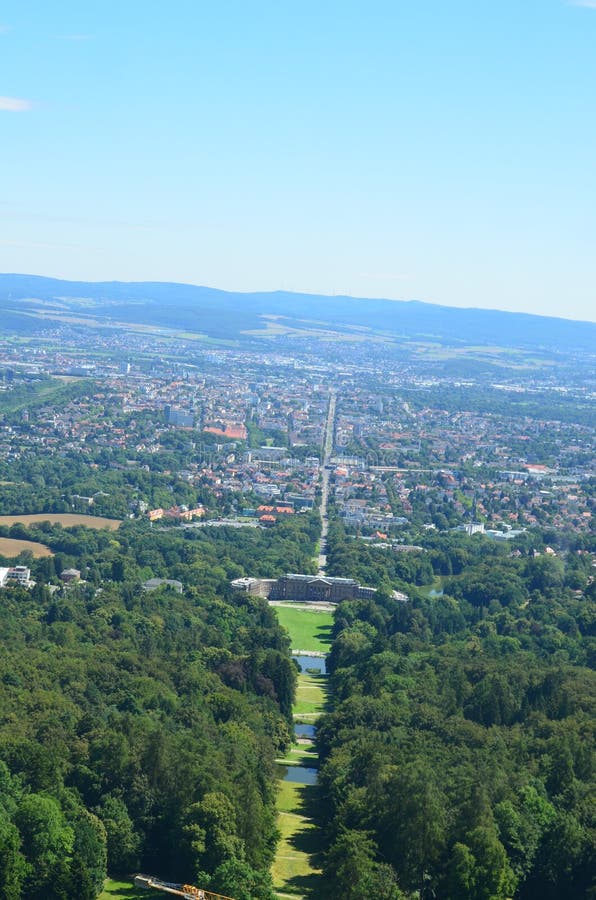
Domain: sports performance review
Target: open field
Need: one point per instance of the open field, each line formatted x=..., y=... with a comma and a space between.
x=91, y=321
x=11, y=547
x=310, y=629
x=67, y=520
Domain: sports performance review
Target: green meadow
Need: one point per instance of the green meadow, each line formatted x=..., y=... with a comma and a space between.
x=125, y=890
x=310, y=629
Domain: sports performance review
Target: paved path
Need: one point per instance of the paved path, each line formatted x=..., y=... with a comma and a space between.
x=327, y=451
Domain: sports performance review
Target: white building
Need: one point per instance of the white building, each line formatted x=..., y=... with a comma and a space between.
x=21, y=574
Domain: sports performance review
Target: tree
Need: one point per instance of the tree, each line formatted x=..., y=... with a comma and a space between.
x=521, y=827
x=90, y=848
x=412, y=824
x=479, y=869
x=461, y=878
x=47, y=841
x=564, y=865
x=238, y=879
x=211, y=832
x=122, y=841
x=352, y=866
x=12, y=862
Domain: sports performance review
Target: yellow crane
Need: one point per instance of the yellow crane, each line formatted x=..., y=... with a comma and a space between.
x=188, y=891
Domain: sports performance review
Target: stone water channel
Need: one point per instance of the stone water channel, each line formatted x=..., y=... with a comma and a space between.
x=305, y=732
x=294, y=873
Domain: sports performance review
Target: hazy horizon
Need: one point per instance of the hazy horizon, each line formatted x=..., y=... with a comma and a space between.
x=442, y=153
x=212, y=287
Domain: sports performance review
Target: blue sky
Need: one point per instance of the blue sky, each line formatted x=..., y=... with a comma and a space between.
x=439, y=151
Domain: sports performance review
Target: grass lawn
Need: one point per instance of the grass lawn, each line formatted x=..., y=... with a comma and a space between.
x=300, y=756
x=436, y=585
x=125, y=890
x=288, y=797
x=311, y=694
x=309, y=629
x=293, y=871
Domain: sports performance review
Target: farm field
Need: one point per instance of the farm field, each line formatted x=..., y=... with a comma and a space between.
x=67, y=520
x=11, y=547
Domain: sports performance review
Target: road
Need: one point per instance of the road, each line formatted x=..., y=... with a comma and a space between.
x=327, y=451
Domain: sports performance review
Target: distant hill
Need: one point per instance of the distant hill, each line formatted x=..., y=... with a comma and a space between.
x=27, y=300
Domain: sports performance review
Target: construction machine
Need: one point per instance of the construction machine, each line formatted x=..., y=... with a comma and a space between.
x=188, y=891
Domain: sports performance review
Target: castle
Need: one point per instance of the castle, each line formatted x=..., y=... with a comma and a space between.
x=307, y=588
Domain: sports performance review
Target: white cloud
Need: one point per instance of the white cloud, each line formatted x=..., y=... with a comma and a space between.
x=588, y=4
x=14, y=104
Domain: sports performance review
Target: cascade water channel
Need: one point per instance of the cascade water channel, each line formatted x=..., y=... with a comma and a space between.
x=295, y=871
x=305, y=732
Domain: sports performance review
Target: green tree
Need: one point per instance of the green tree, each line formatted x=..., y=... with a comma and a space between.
x=236, y=878
x=412, y=824
x=351, y=865
x=90, y=848
x=461, y=878
x=479, y=869
x=123, y=842
x=12, y=862
x=564, y=865
x=211, y=832
x=47, y=841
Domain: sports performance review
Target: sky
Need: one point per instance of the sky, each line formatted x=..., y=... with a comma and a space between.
x=411, y=149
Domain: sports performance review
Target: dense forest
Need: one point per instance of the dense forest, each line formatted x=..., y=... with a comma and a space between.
x=458, y=757
x=139, y=728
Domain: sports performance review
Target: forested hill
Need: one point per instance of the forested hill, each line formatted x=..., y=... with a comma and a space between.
x=458, y=759
x=138, y=729
x=230, y=315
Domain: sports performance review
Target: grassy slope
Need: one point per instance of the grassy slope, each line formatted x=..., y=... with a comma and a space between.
x=293, y=871
x=310, y=694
